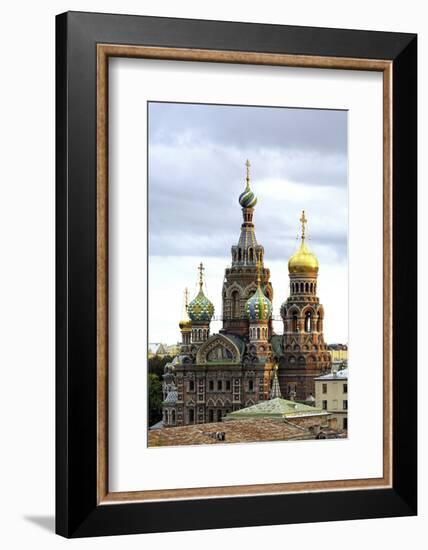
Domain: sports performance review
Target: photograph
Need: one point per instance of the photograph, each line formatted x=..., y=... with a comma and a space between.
x=247, y=274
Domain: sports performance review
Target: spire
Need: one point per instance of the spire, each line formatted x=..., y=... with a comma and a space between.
x=201, y=270
x=259, y=268
x=303, y=220
x=275, y=390
x=185, y=320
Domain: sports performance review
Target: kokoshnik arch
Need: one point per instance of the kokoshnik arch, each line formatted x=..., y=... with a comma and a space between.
x=241, y=365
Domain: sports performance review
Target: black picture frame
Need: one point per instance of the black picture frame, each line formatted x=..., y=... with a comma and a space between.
x=77, y=511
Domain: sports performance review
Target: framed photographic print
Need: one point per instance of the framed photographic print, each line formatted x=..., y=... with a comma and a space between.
x=236, y=274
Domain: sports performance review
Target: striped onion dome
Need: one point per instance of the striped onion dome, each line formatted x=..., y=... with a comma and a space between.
x=247, y=199
x=258, y=307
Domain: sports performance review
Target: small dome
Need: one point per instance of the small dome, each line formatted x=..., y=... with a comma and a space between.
x=303, y=261
x=200, y=308
x=185, y=325
x=258, y=307
x=247, y=199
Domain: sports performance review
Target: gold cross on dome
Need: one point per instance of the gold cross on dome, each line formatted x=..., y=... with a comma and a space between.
x=303, y=221
x=247, y=164
x=201, y=269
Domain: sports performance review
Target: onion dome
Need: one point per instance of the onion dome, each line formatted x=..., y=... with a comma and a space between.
x=200, y=308
x=258, y=307
x=185, y=324
x=247, y=199
x=303, y=261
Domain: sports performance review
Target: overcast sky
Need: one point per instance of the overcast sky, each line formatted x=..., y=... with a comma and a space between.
x=196, y=173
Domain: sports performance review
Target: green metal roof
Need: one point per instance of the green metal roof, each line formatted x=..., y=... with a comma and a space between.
x=275, y=408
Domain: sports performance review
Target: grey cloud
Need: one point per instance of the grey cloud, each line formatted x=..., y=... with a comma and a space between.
x=247, y=127
x=196, y=174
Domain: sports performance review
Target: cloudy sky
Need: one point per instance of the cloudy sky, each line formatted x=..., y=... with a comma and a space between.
x=197, y=157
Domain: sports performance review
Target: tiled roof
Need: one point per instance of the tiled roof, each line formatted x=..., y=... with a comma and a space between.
x=275, y=408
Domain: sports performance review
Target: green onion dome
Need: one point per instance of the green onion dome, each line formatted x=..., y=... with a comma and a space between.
x=247, y=199
x=200, y=308
x=258, y=307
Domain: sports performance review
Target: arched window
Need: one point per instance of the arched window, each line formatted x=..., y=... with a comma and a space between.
x=301, y=287
x=235, y=304
x=173, y=416
x=200, y=334
x=191, y=416
x=294, y=324
x=251, y=254
x=307, y=287
x=239, y=255
x=308, y=321
x=258, y=333
x=211, y=415
x=219, y=415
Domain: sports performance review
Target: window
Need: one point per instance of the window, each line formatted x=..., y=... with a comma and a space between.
x=345, y=388
x=191, y=385
x=334, y=404
x=345, y=423
x=219, y=385
x=250, y=385
x=219, y=415
x=308, y=321
x=294, y=323
x=235, y=304
x=191, y=416
x=227, y=385
x=345, y=404
x=324, y=388
x=211, y=415
x=324, y=405
x=211, y=385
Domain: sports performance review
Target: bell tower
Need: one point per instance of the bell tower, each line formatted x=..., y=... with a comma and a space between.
x=240, y=281
x=305, y=352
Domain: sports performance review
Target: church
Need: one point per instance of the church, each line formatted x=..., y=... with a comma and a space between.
x=240, y=366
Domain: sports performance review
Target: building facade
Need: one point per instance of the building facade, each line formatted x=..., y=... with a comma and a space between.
x=331, y=395
x=215, y=374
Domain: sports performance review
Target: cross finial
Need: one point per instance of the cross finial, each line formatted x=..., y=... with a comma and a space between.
x=201, y=269
x=247, y=164
x=186, y=297
x=303, y=221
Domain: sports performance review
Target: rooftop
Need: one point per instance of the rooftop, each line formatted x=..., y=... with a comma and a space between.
x=339, y=375
x=276, y=408
x=239, y=431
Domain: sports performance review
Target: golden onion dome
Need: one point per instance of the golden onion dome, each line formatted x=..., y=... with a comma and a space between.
x=185, y=324
x=303, y=261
